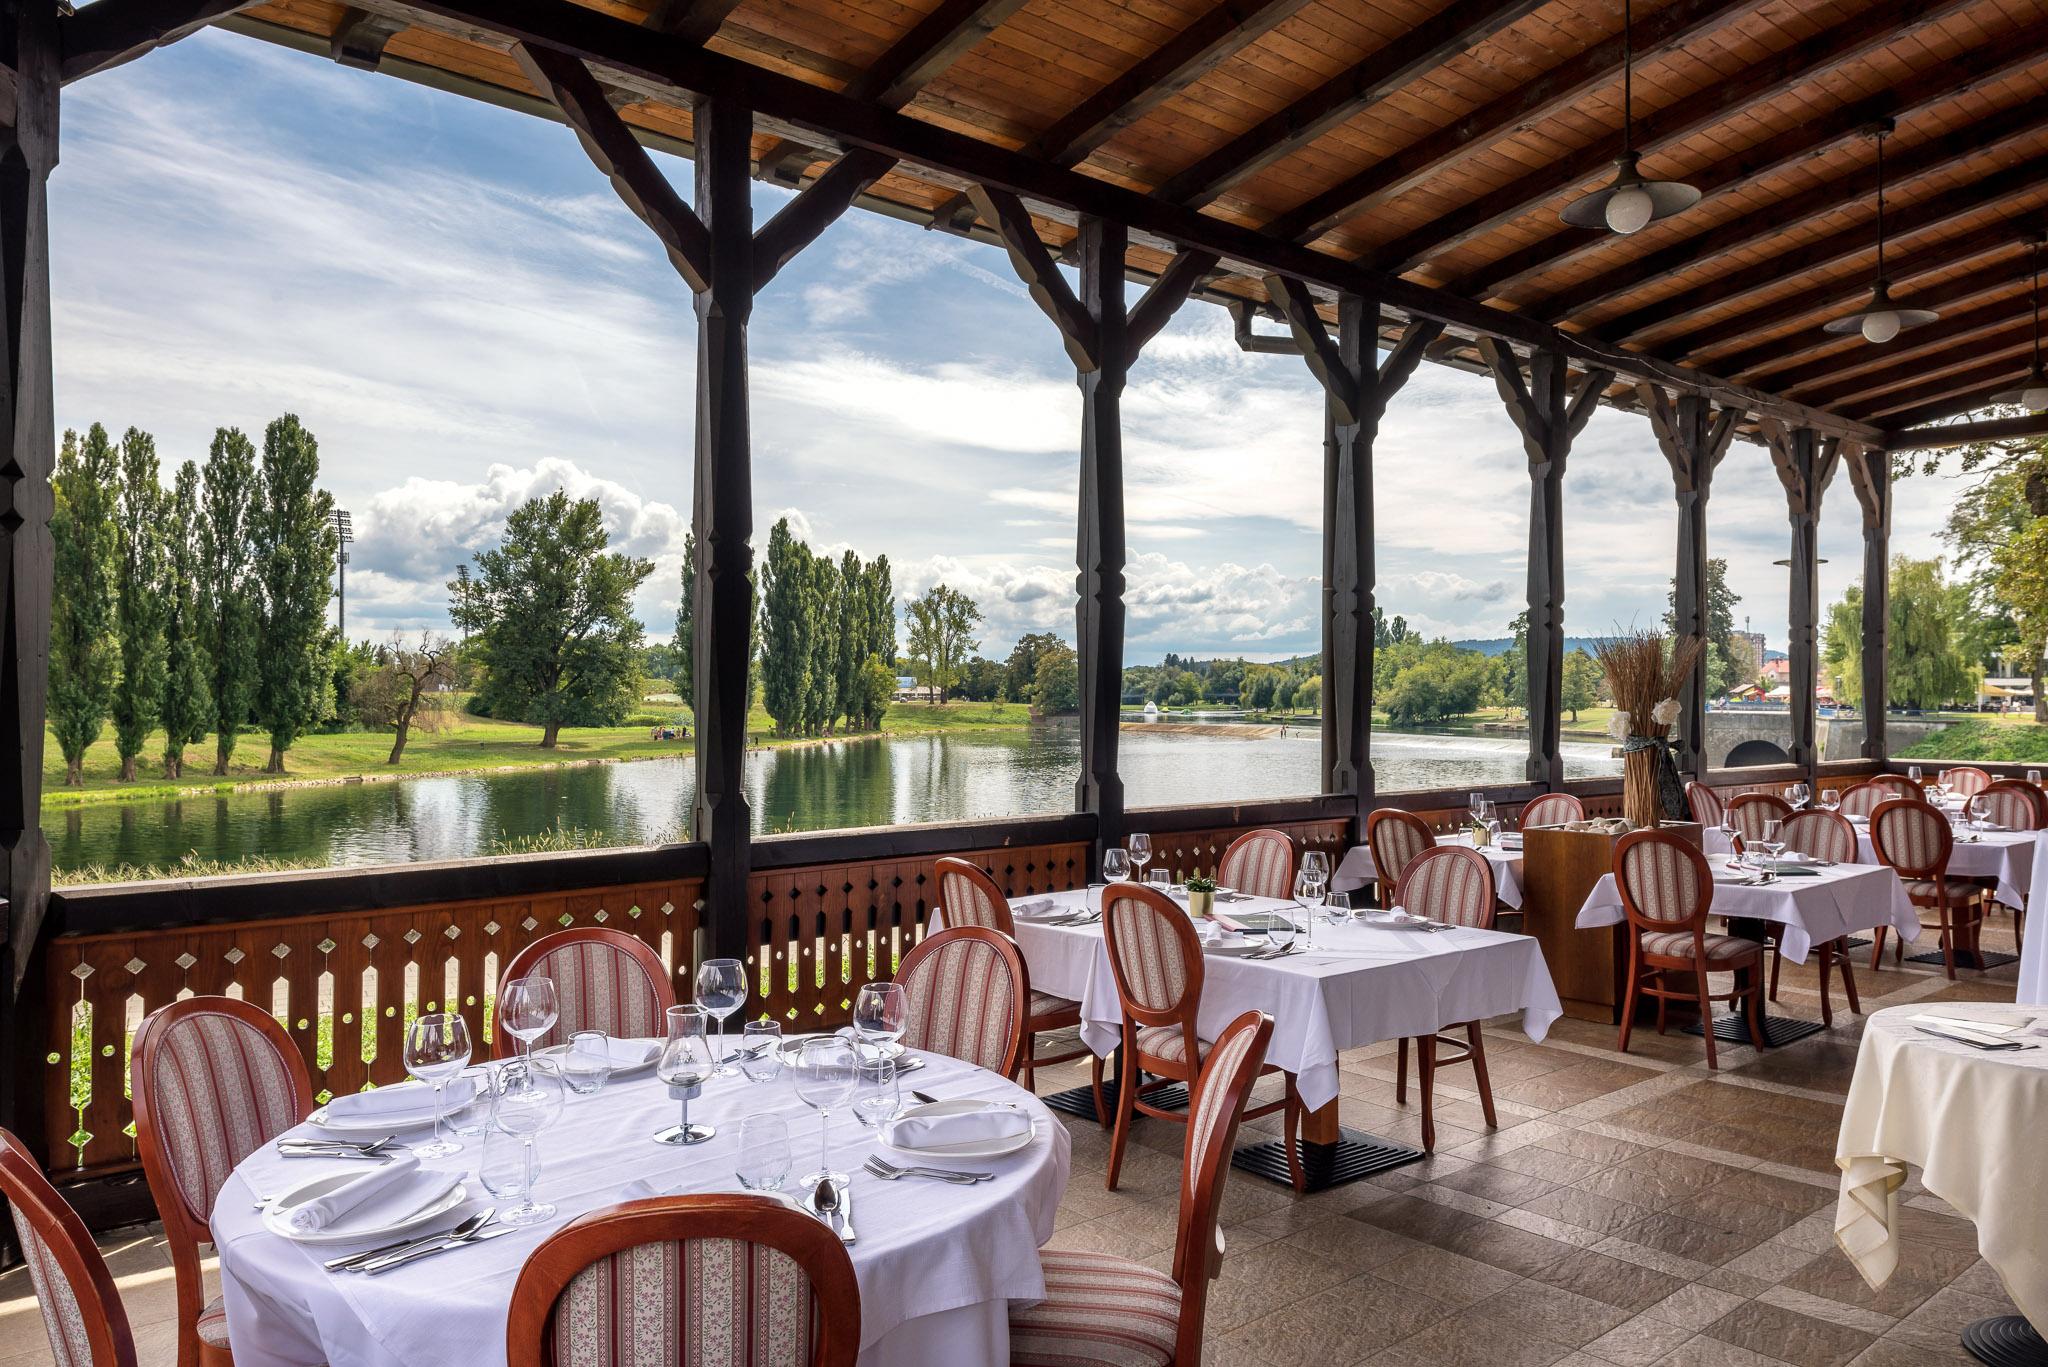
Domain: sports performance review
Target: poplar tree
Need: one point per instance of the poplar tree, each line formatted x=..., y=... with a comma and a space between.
x=852, y=650
x=878, y=596
x=227, y=629
x=785, y=638
x=82, y=651
x=139, y=598
x=821, y=617
x=292, y=540
x=187, y=705
x=686, y=624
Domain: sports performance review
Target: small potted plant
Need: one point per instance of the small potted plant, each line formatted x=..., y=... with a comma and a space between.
x=1201, y=894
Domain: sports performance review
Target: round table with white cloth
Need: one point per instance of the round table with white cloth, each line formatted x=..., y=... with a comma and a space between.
x=938, y=1264
x=1357, y=869
x=1971, y=1120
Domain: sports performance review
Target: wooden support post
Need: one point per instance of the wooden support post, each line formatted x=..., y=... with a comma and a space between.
x=1805, y=463
x=1693, y=438
x=1548, y=415
x=1356, y=389
x=28, y=152
x=723, y=515
x=1870, y=475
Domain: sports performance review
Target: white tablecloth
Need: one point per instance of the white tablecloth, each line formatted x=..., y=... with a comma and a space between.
x=1356, y=869
x=1357, y=985
x=937, y=1265
x=2007, y=856
x=1972, y=1121
x=2034, y=955
x=1841, y=898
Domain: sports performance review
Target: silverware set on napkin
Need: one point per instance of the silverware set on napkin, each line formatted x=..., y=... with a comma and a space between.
x=376, y=1150
x=474, y=1230
x=890, y=1172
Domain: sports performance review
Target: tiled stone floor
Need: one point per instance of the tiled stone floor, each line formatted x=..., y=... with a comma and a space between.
x=1632, y=1209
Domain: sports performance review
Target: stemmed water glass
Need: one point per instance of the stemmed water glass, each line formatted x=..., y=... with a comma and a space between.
x=825, y=1071
x=1731, y=833
x=1316, y=864
x=1772, y=843
x=527, y=1009
x=1477, y=803
x=1830, y=800
x=436, y=1050
x=529, y=1100
x=1797, y=795
x=1309, y=892
x=881, y=1013
x=722, y=990
x=1980, y=812
x=1140, y=847
x=1337, y=908
x=1913, y=775
x=685, y=1064
x=1116, y=865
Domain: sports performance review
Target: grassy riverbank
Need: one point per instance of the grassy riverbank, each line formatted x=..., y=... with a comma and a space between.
x=2012, y=739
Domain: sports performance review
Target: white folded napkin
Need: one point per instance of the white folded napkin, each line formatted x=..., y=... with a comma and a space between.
x=1037, y=906
x=924, y=1131
x=403, y=1099
x=631, y=1053
x=382, y=1196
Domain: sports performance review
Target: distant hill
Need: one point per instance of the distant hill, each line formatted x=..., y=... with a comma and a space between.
x=1501, y=645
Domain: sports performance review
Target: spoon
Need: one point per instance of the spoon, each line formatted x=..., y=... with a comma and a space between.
x=461, y=1231
x=831, y=1210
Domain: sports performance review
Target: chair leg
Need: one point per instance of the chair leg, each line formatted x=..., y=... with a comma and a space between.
x=1028, y=1075
x=1777, y=961
x=1826, y=955
x=1628, y=1000
x=1425, y=1079
x=1292, y=1126
x=1706, y=1016
x=1102, y=1115
x=1948, y=944
x=1126, y=1108
x=1477, y=1045
x=1753, y=1001
x=1877, y=948
x=1849, y=982
x=1662, y=1002
x=1401, y=1071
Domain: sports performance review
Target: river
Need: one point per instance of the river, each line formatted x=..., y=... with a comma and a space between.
x=879, y=782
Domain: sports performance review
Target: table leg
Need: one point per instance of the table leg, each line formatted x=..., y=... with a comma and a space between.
x=1732, y=1028
x=2005, y=1341
x=1080, y=1101
x=1330, y=1154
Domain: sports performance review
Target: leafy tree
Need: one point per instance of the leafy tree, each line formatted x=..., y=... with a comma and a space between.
x=1396, y=632
x=1437, y=682
x=942, y=624
x=785, y=629
x=1056, y=683
x=983, y=680
x=1515, y=673
x=1022, y=666
x=821, y=696
x=873, y=689
x=876, y=626
x=1582, y=681
x=139, y=598
x=293, y=546
x=1309, y=696
x=1841, y=646
x=1283, y=692
x=228, y=603
x=1926, y=669
x=1260, y=683
x=187, y=705
x=2000, y=531
x=550, y=610
x=82, y=650
x=1730, y=662
x=409, y=671
x=684, y=671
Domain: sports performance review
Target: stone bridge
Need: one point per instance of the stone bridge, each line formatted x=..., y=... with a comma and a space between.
x=1753, y=730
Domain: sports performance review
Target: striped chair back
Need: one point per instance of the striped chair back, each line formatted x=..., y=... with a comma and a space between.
x=1823, y=835
x=969, y=897
x=1899, y=785
x=1154, y=957
x=1863, y=799
x=1705, y=803
x=1553, y=809
x=1967, y=780
x=1913, y=837
x=1397, y=838
x=604, y=980
x=731, y=1279
x=1215, y=1105
x=969, y=995
x=1259, y=862
x=1665, y=883
x=1752, y=810
x=2016, y=804
x=82, y=1311
x=1450, y=883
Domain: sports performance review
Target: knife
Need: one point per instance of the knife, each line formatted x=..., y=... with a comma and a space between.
x=1974, y=1043
x=414, y=1255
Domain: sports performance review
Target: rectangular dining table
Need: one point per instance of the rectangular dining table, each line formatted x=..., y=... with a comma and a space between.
x=1354, y=985
x=1357, y=869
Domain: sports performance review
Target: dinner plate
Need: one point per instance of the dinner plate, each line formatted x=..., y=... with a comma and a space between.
x=343, y=1231
x=981, y=1148
x=628, y=1070
x=385, y=1123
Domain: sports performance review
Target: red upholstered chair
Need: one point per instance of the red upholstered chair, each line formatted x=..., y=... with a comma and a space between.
x=1967, y=780
x=604, y=980
x=82, y=1311
x=1104, y=1311
x=1259, y=862
x=214, y=1080
x=730, y=1278
x=1553, y=809
x=1823, y=835
x=969, y=998
x=1914, y=838
x=2016, y=805
x=969, y=897
x=1455, y=884
x=1156, y=961
x=1900, y=785
x=1705, y=803
x=1752, y=810
x=1667, y=892
x=1863, y=799
x=1395, y=837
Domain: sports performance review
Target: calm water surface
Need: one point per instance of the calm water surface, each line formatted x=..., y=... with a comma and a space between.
x=862, y=783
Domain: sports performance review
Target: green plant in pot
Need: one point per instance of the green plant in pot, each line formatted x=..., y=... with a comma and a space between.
x=1201, y=895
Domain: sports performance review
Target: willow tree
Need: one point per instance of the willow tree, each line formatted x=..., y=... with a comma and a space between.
x=139, y=598
x=293, y=546
x=228, y=615
x=82, y=650
x=187, y=704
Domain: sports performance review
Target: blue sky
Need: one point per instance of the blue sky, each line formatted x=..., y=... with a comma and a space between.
x=452, y=299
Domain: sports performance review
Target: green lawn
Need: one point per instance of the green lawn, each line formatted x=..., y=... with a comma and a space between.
x=2012, y=739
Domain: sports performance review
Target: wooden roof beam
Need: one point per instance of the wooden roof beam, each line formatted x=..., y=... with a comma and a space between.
x=1870, y=30
x=1462, y=25
x=104, y=35
x=797, y=224
x=2008, y=350
x=1937, y=86
x=359, y=39
x=1968, y=433
x=1978, y=379
x=1831, y=373
x=1942, y=410
x=691, y=20
x=1545, y=94
x=1006, y=213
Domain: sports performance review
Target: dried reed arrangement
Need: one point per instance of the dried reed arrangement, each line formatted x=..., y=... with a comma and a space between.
x=1644, y=677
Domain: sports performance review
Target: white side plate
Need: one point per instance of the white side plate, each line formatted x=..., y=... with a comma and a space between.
x=986, y=1148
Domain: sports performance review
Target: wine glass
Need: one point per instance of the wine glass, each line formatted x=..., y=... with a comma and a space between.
x=877, y=1092
x=1797, y=795
x=1830, y=800
x=586, y=1062
x=1980, y=812
x=1337, y=908
x=530, y=1097
x=1316, y=864
x=1731, y=833
x=527, y=1009
x=1477, y=803
x=1161, y=879
x=437, y=1049
x=685, y=1064
x=722, y=990
x=1913, y=775
x=764, y=1160
x=761, y=1050
x=881, y=1013
x=1140, y=847
x=825, y=1068
x=1116, y=865
x=1309, y=892
x=2034, y=777
x=1772, y=843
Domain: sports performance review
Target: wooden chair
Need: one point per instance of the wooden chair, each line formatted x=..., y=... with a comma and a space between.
x=1667, y=892
x=214, y=1079
x=604, y=980
x=1913, y=836
x=1863, y=798
x=1752, y=810
x=1156, y=961
x=1454, y=884
x=1553, y=809
x=969, y=998
x=969, y=897
x=82, y=1312
x=1705, y=803
x=1967, y=780
x=1259, y=862
x=1104, y=1311
x=1823, y=835
x=2016, y=805
x=1395, y=837
x=732, y=1278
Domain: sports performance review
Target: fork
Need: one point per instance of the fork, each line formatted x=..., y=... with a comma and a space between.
x=893, y=1173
